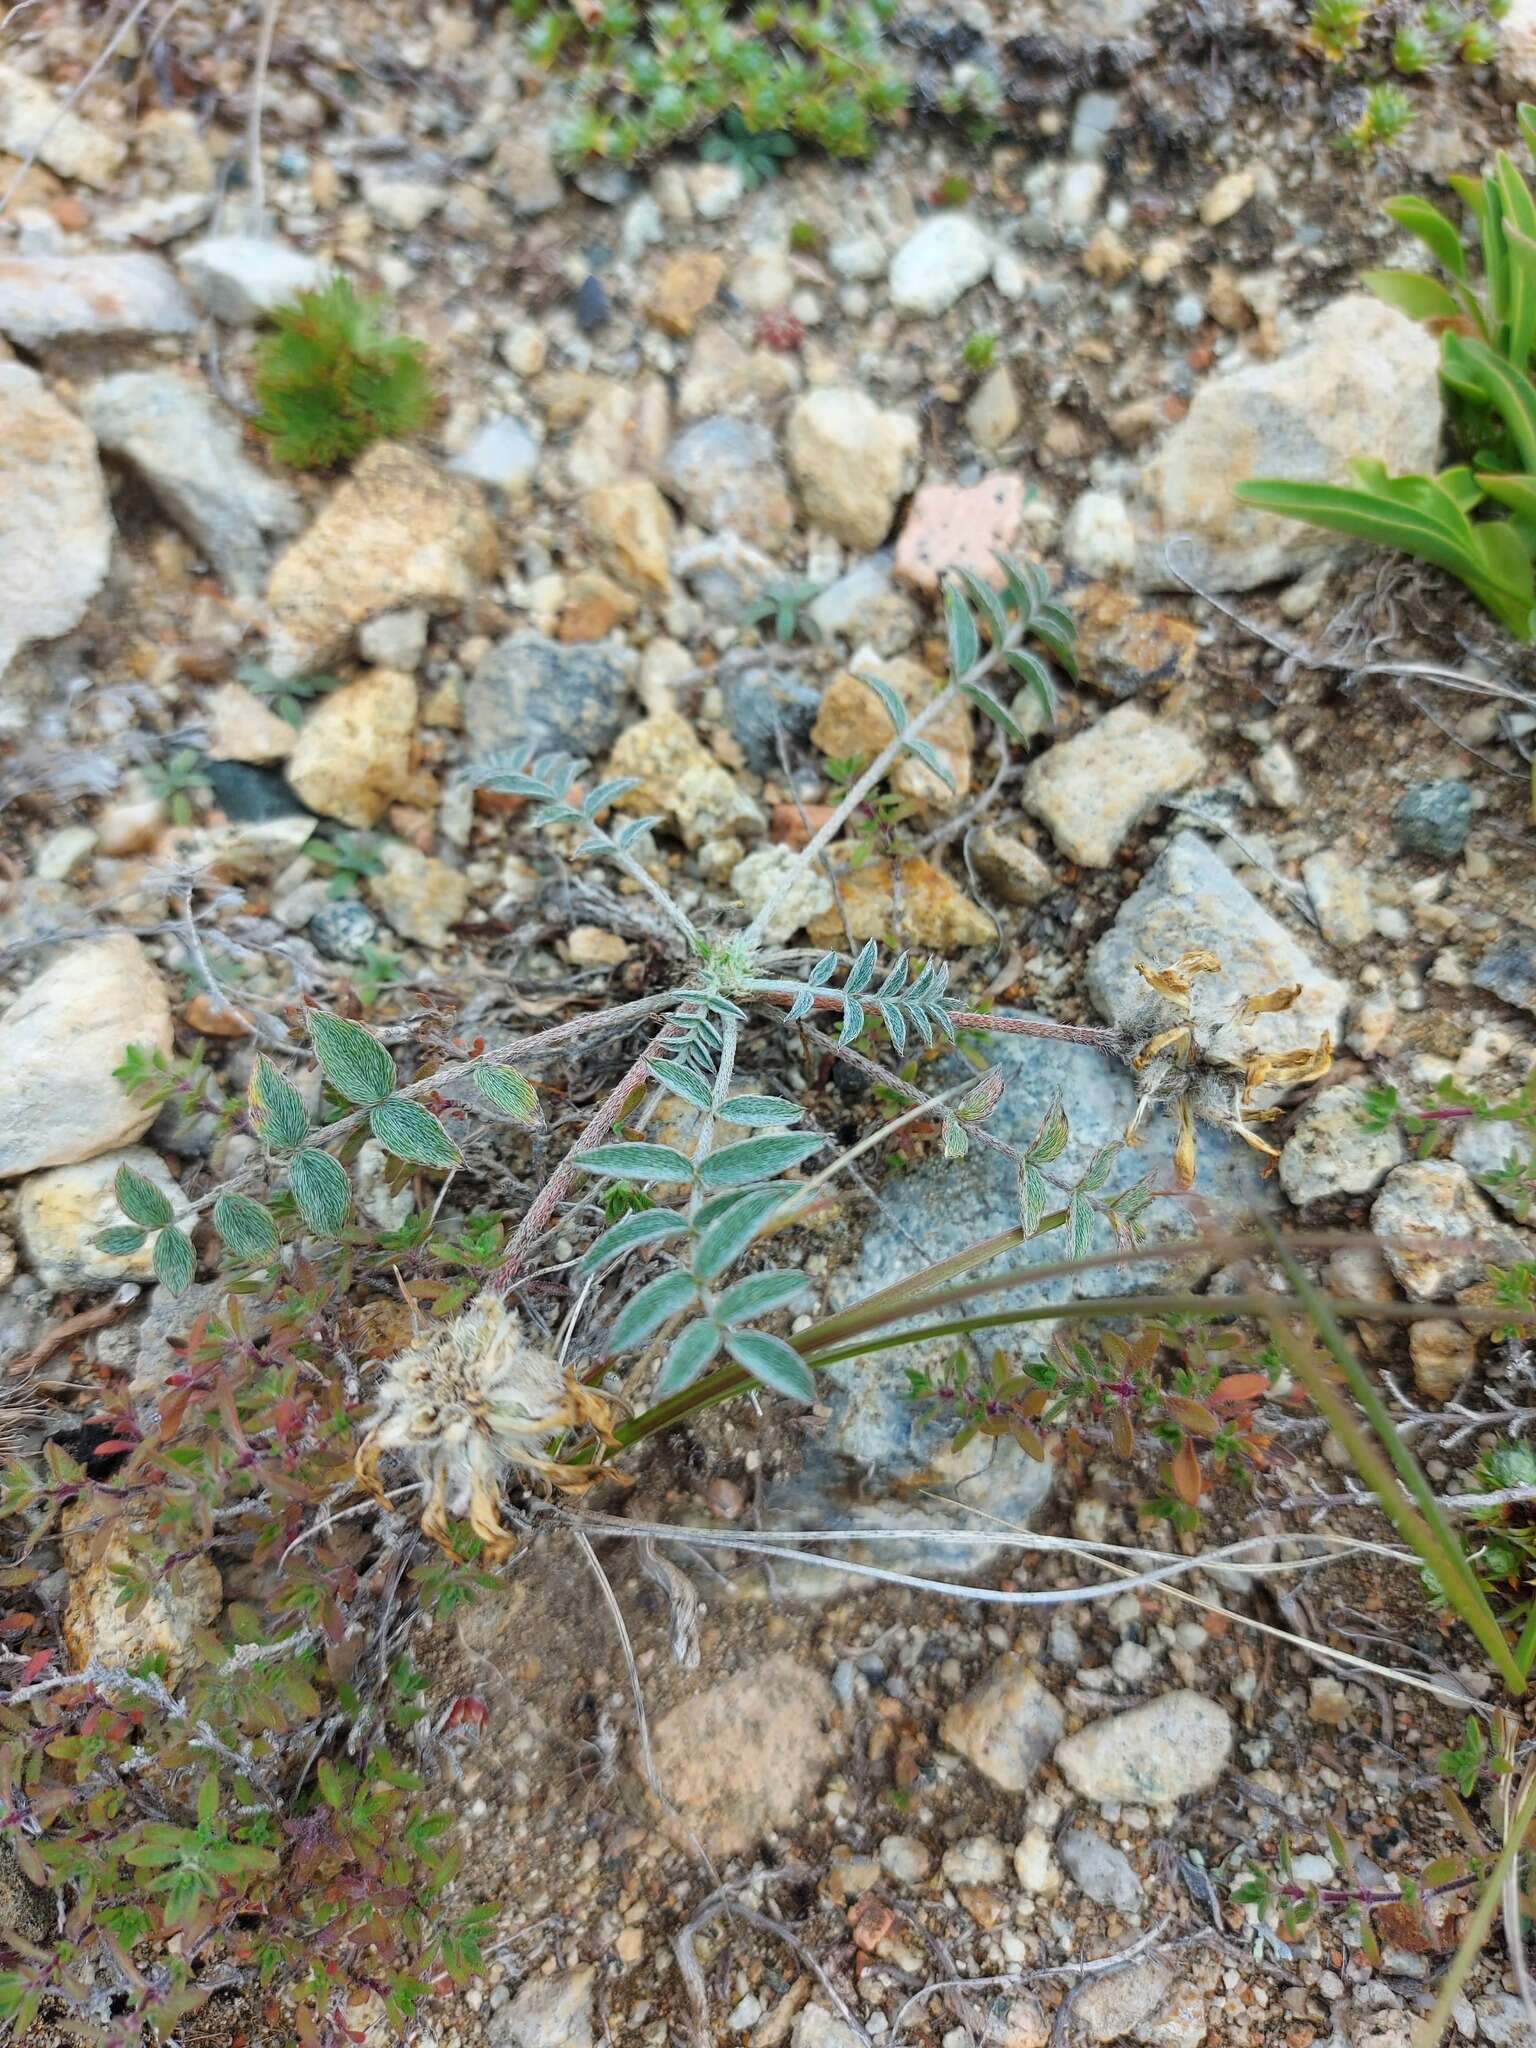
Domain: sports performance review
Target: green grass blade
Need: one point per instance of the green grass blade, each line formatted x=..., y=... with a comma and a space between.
x=1434, y=230
x=1431, y=2031
x=1423, y=1525
x=1362, y=515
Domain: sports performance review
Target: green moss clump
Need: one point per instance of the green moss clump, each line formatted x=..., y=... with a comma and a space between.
x=641, y=78
x=331, y=379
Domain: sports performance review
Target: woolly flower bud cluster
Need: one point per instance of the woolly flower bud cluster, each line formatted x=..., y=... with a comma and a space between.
x=469, y=1402
x=1192, y=1053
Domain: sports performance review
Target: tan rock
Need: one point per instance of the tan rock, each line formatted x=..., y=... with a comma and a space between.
x=631, y=524
x=353, y=753
x=683, y=286
x=1092, y=790
x=588, y=945
x=724, y=377
x=993, y=415
x=422, y=898
x=624, y=434
x=744, y=1756
x=62, y=1210
x=1006, y=1726
x=852, y=724
x=399, y=532
x=682, y=783
x=1010, y=868
x=55, y=522
x=35, y=120
x=1229, y=195
x=59, y=1043
x=1443, y=1354
x=852, y=461
x=1365, y=377
x=97, y=1625
x=1127, y=646
x=1437, y=1200
x=960, y=526
x=928, y=912
x=241, y=728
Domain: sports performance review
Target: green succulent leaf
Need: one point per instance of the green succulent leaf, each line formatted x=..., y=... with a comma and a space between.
x=693, y=1350
x=120, y=1240
x=726, y=1227
x=640, y=1162
x=759, y=1294
x=632, y=1234
x=754, y=1159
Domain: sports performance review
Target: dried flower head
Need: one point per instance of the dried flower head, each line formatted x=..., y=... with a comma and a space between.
x=471, y=1401
x=1191, y=1053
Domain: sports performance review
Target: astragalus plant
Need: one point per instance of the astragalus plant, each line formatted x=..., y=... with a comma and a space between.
x=250, y=1819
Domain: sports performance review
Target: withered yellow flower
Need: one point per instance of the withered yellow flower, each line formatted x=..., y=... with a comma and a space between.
x=1190, y=1056
x=472, y=1400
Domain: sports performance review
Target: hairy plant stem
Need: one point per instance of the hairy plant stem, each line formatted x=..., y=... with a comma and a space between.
x=930, y=1290
x=881, y=766
x=553, y=1193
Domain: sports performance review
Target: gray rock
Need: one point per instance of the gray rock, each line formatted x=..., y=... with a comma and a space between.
x=1487, y=1150
x=344, y=930
x=237, y=278
x=502, y=453
x=865, y=608
x=186, y=450
x=90, y=298
x=533, y=692
x=1433, y=818
x=938, y=263
x=248, y=795
x=759, y=700
x=726, y=475
x=55, y=521
x=1508, y=970
x=1109, y=2007
x=1332, y=1152
x=815, y=2027
x=1101, y=1870
x=1366, y=377
x=547, y=2012
x=1190, y=898
x=1435, y=1199
x=59, y=1043
x=875, y=1440
x=1152, y=1754
x=1340, y=890
x=1093, y=119
x=525, y=162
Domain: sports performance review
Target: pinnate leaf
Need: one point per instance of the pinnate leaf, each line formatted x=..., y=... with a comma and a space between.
x=772, y=1363
x=278, y=1115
